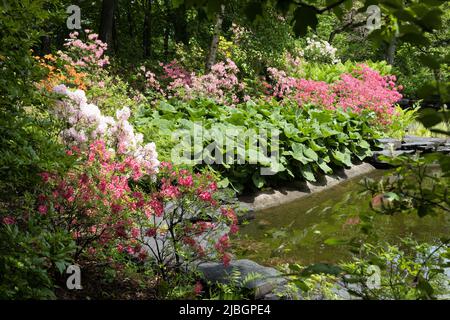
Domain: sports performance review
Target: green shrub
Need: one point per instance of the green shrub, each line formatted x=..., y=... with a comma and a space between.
x=31, y=256
x=331, y=72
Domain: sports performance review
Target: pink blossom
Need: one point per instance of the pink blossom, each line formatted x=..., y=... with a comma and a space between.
x=8, y=220
x=42, y=209
x=198, y=288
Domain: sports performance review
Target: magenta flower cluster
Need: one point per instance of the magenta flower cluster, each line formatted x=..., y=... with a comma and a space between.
x=363, y=88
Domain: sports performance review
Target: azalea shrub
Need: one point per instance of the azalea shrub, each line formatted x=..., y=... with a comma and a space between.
x=101, y=204
x=318, y=50
x=85, y=123
x=221, y=84
x=362, y=88
x=80, y=65
x=188, y=224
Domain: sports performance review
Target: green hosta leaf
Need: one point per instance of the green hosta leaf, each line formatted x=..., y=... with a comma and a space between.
x=310, y=153
x=308, y=174
x=223, y=183
x=362, y=153
x=297, y=153
x=290, y=130
x=322, y=117
x=323, y=165
x=258, y=181
x=314, y=146
x=343, y=157
x=363, y=144
x=327, y=131
x=166, y=107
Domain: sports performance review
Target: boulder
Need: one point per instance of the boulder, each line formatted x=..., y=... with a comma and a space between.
x=265, y=281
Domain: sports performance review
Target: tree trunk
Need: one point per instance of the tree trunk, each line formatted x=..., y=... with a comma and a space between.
x=106, y=23
x=45, y=45
x=178, y=17
x=166, y=29
x=211, y=60
x=130, y=20
x=115, y=36
x=147, y=36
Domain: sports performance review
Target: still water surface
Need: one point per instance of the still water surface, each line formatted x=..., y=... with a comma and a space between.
x=295, y=232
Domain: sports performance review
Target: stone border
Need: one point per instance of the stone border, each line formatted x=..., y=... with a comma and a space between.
x=272, y=198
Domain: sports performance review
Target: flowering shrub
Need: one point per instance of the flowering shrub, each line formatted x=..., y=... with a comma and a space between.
x=93, y=204
x=363, y=88
x=99, y=207
x=60, y=72
x=86, y=124
x=79, y=66
x=367, y=89
x=187, y=223
x=321, y=51
x=220, y=85
x=87, y=55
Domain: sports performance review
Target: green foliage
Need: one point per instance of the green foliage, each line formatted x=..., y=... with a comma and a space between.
x=409, y=271
x=234, y=288
x=420, y=186
x=30, y=257
x=331, y=72
x=311, y=141
x=403, y=120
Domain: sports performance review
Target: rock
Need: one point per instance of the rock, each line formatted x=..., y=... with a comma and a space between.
x=443, y=149
x=272, y=198
x=379, y=164
x=388, y=153
x=387, y=141
x=415, y=139
x=271, y=296
x=267, y=280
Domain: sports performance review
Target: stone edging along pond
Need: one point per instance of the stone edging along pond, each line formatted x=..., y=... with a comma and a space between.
x=272, y=198
x=390, y=147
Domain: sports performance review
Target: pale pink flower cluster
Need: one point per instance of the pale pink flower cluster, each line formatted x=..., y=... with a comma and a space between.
x=221, y=84
x=87, y=124
x=284, y=85
x=85, y=54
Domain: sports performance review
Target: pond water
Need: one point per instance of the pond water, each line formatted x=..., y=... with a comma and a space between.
x=296, y=232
